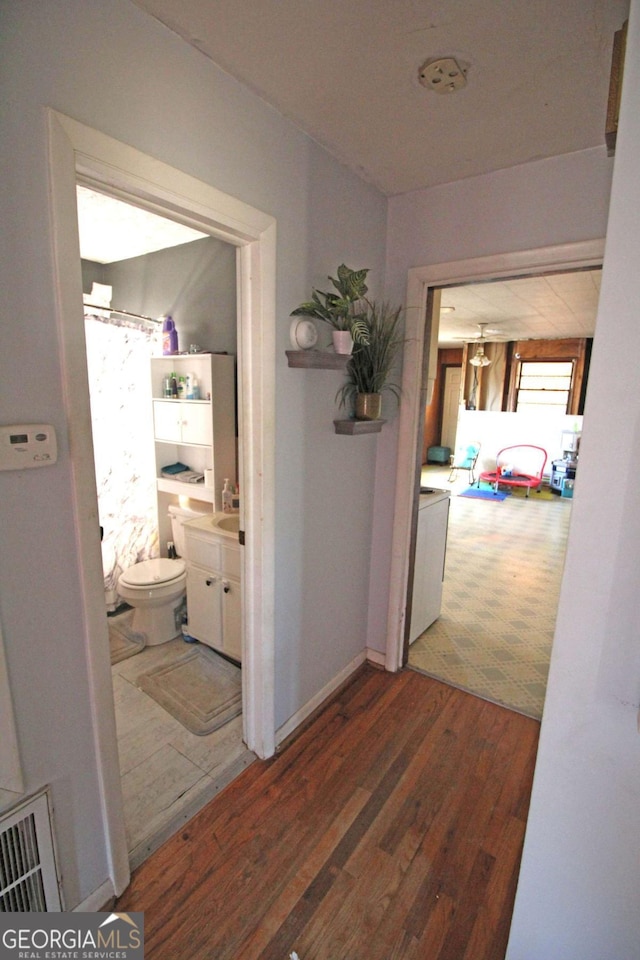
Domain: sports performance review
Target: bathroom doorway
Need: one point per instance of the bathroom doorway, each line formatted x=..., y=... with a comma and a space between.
x=136, y=267
x=80, y=153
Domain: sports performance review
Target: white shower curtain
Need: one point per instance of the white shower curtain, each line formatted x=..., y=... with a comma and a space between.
x=118, y=355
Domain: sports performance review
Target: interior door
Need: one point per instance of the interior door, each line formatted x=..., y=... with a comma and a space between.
x=450, y=405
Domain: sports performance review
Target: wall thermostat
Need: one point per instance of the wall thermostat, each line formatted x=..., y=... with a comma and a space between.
x=26, y=445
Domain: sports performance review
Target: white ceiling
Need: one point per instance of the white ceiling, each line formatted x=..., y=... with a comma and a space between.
x=346, y=72
x=112, y=230
x=546, y=308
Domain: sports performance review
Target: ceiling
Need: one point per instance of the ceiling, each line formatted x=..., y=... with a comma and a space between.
x=346, y=72
x=546, y=308
x=112, y=230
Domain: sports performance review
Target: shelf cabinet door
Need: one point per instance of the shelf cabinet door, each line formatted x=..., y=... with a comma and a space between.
x=167, y=421
x=196, y=423
x=177, y=421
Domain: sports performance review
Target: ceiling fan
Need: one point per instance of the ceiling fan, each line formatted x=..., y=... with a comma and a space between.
x=480, y=359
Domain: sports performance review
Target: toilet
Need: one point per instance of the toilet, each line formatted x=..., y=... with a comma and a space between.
x=156, y=589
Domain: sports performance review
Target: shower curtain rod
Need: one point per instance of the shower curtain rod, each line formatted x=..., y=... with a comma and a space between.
x=125, y=313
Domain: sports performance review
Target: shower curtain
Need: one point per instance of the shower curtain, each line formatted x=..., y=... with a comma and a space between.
x=118, y=355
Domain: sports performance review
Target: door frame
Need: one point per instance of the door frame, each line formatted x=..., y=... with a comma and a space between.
x=568, y=256
x=78, y=153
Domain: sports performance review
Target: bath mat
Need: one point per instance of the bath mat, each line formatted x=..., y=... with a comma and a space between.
x=124, y=642
x=474, y=494
x=201, y=690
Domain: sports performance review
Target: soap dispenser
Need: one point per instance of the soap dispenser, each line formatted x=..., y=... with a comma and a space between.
x=227, y=497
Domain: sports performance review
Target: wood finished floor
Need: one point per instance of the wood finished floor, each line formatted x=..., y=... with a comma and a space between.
x=391, y=828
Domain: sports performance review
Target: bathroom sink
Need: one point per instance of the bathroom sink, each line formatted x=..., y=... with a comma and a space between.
x=229, y=523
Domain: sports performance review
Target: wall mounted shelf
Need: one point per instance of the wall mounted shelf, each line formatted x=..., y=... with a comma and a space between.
x=317, y=359
x=355, y=427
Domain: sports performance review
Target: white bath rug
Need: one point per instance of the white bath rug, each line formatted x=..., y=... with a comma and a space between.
x=123, y=641
x=201, y=690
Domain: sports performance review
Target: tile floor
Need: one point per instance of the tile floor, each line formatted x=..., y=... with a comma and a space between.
x=502, y=579
x=167, y=773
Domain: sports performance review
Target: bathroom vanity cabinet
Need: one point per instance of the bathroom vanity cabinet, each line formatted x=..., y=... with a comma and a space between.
x=199, y=433
x=214, y=606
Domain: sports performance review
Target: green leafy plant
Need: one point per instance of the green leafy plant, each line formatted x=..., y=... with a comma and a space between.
x=371, y=363
x=342, y=310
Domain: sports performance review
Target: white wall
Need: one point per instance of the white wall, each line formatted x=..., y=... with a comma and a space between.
x=578, y=892
x=113, y=68
x=497, y=430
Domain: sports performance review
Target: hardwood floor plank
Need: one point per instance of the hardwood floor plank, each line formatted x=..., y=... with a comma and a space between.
x=391, y=828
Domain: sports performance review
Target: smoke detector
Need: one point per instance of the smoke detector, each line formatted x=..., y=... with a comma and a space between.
x=445, y=75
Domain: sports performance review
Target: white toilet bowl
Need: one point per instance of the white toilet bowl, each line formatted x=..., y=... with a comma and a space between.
x=156, y=589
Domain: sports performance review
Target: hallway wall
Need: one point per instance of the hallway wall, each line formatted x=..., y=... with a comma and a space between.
x=169, y=101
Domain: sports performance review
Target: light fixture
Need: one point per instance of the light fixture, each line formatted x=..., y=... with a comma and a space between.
x=480, y=359
x=444, y=75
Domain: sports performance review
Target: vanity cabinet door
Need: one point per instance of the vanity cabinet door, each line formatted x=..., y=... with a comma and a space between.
x=232, y=618
x=204, y=606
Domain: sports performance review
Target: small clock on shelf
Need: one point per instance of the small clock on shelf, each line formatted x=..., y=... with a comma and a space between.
x=303, y=334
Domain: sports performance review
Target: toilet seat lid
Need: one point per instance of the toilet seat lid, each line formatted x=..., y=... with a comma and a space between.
x=148, y=572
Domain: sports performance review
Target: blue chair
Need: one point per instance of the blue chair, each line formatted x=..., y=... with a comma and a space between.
x=465, y=458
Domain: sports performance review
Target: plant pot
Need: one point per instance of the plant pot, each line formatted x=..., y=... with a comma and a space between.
x=368, y=406
x=342, y=341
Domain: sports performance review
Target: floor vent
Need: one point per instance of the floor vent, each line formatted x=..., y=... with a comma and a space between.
x=28, y=876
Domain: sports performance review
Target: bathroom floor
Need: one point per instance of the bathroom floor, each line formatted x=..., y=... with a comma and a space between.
x=502, y=579
x=167, y=773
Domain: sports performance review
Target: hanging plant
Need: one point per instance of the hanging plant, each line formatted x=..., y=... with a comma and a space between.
x=371, y=363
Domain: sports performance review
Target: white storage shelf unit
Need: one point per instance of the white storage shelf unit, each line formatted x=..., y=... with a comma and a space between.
x=199, y=433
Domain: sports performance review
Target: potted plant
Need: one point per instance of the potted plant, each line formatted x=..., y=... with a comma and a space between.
x=372, y=361
x=341, y=310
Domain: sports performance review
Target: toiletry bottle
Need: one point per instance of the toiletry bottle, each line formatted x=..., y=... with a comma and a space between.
x=174, y=386
x=193, y=388
x=182, y=388
x=227, y=494
x=169, y=337
x=166, y=386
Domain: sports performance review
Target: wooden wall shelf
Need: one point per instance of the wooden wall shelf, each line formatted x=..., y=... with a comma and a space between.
x=317, y=359
x=355, y=427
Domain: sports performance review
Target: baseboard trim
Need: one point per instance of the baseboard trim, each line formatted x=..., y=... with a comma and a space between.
x=99, y=901
x=375, y=657
x=306, y=713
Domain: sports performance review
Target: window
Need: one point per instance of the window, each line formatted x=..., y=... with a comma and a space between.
x=544, y=385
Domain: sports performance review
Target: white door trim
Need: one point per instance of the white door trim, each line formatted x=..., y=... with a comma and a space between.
x=80, y=152
x=567, y=256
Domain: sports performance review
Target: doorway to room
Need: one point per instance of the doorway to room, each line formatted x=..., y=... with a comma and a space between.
x=505, y=556
x=81, y=153
x=136, y=268
x=421, y=280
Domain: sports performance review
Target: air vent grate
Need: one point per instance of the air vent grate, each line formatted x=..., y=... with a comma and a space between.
x=28, y=880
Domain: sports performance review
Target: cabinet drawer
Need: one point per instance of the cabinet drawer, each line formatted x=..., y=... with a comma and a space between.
x=204, y=551
x=230, y=558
